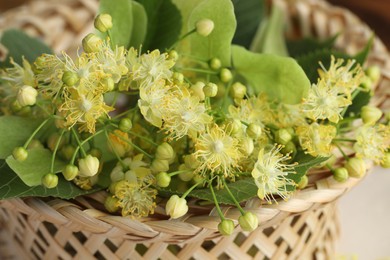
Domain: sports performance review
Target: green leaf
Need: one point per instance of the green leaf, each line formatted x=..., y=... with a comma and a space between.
x=20, y=44
x=218, y=43
x=249, y=14
x=164, y=24
x=305, y=162
x=306, y=45
x=141, y=21
x=361, y=99
x=12, y=186
x=280, y=78
x=14, y=131
x=35, y=166
x=270, y=35
x=122, y=20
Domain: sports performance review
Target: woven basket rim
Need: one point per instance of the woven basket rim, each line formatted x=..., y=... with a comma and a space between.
x=81, y=213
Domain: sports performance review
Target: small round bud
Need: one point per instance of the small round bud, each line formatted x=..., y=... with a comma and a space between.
x=204, y=27
x=159, y=165
x=385, y=163
x=111, y=204
x=190, y=161
x=20, y=154
x=366, y=84
x=248, y=221
x=210, y=90
x=108, y=84
x=374, y=73
x=50, y=180
x=290, y=148
x=215, y=64
x=163, y=179
x=70, y=78
x=225, y=75
x=176, y=207
x=117, y=174
x=103, y=22
x=226, y=227
x=356, y=167
x=35, y=144
x=370, y=115
x=178, y=77
x=247, y=145
x=233, y=126
x=187, y=175
x=197, y=90
x=303, y=182
x=238, y=90
x=340, y=174
x=125, y=125
x=27, y=96
x=89, y=166
x=165, y=151
x=253, y=131
x=96, y=152
x=70, y=172
x=283, y=136
x=91, y=43
x=173, y=55
x=53, y=139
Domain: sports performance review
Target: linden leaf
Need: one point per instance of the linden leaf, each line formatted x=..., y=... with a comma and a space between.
x=141, y=20
x=218, y=43
x=281, y=78
x=37, y=164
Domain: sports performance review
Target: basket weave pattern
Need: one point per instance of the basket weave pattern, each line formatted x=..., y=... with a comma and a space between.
x=304, y=226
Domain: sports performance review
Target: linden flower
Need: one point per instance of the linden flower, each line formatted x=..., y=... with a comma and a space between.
x=316, y=139
x=49, y=74
x=184, y=114
x=324, y=102
x=270, y=174
x=84, y=109
x=287, y=115
x=112, y=62
x=217, y=152
x=118, y=142
x=151, y=67
x=372, y=142
x=152, y=102
x=17, y=76
x=344, y=77
x=135, y=198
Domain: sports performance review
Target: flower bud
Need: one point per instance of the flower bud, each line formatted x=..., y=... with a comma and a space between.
x=108, y=84
x=253, y=131
x=50, y=180
x=190, y=161
x=20, y=154
x=125, y=125
x=176, y=207
x=35, y=144
x=247, y=145
x=159, y=165
x=215, y=64
x=356, y=167
x=165, y=151
x=70, y=78
x=238, y=90
x=27, y=96
x=204, y=27
x=70, y=172
x=374, y=73
x=283, y=136
x=178, y=77
x=91, y=43
x=163, y=179
x=340, y=174
x=290, y=148
x=370, y=115
x=173, y=55
x=210, y=90
x=117, y=174
x=53, y=139
x=187, y=174
x=233, y=126
x=366, y=84
x=385, y=163
x=226, y=227
x=303, y=182
x=103, y=22
x=225, y=75
x=248, y=221
x=111, y=204
x=197, y=90
x=88, y=166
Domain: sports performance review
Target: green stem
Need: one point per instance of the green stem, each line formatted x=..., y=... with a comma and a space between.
x=53, y=157
x=134, y=145
x=344, y=140
x=182, y=38
x=342, y=152
x=216, y=202
x=354, y=94
x=233, y=198
x=189, y=190
x=143, y=138
x=199, y=70
x=171, y=174
x=78, y=142
x=330, y=167
x=82, y=143
x=35, y=132
x=113, y=149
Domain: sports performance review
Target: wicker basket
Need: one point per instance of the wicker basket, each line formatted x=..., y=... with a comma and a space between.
x=304, y=227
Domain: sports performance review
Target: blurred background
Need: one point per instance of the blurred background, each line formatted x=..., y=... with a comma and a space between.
x=365, y=211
